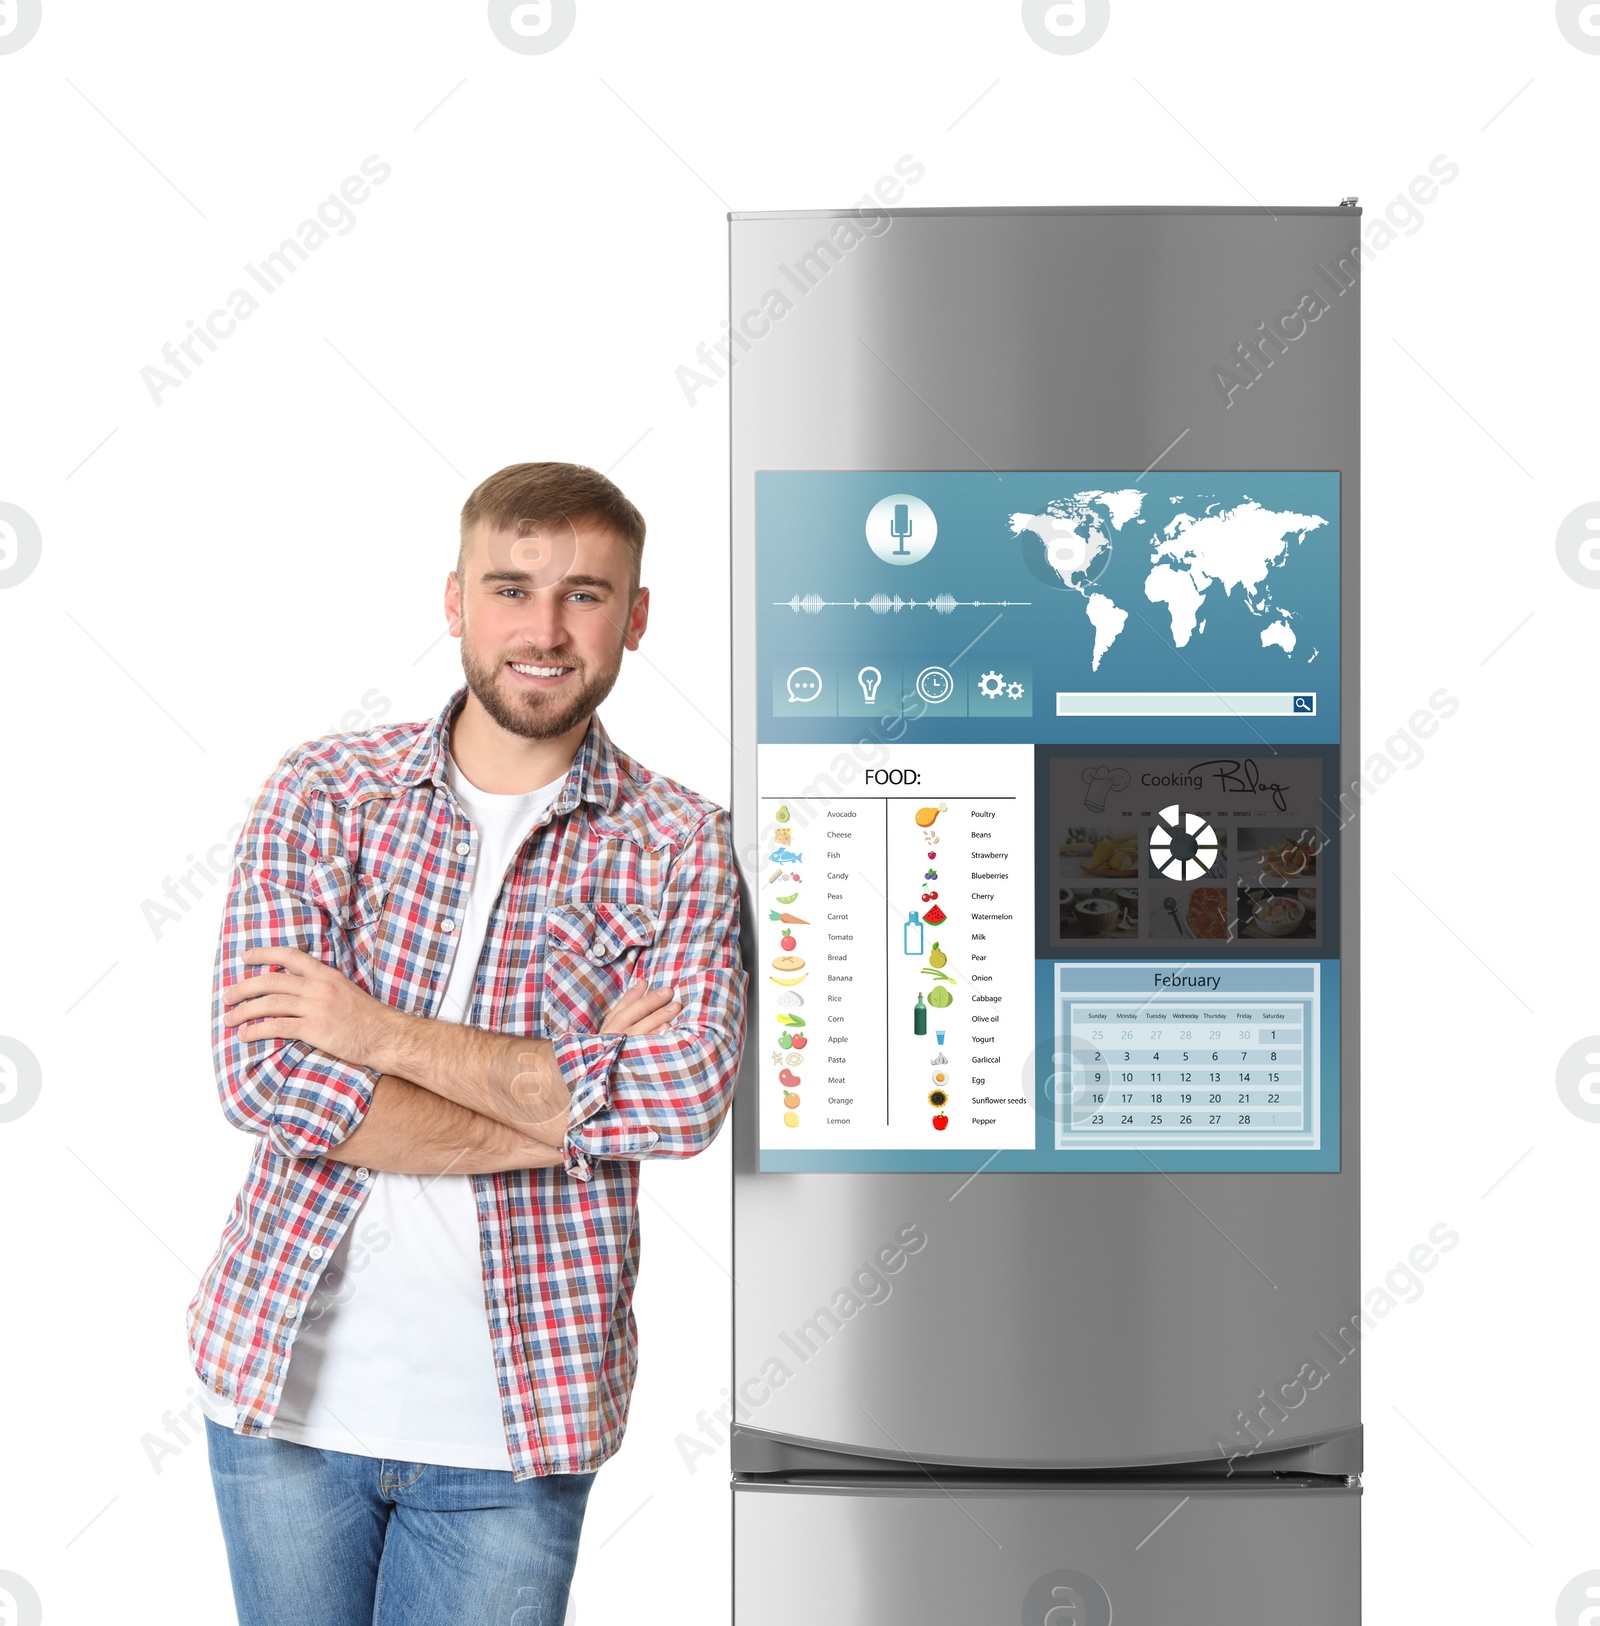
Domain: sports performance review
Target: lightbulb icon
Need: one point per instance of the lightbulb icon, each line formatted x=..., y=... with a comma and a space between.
x=869, y=677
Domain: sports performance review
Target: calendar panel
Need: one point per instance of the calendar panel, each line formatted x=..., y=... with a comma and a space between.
x=1175, y=1055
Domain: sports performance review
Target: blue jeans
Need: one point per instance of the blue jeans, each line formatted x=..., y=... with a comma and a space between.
x=326, y=1538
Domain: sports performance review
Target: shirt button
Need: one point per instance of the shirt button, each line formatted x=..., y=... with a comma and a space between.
x=596, y=952
x=447, y=925
x=363, y=1174
x=315, y=1253
x=463, y=848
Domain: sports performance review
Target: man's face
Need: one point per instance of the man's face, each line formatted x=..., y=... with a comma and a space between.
x=544, y=613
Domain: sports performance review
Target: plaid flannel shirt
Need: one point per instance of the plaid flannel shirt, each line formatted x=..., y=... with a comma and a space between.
x=357, y=852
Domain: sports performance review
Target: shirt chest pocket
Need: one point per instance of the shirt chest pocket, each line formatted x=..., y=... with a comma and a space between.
x=354, y=901
x=591, y=951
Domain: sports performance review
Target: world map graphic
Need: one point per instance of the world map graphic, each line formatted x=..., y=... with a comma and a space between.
x=1192, y=560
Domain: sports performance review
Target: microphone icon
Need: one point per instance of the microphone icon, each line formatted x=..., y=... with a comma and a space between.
x=900, y=527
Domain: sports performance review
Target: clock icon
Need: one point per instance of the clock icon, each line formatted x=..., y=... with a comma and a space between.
x=935, y=684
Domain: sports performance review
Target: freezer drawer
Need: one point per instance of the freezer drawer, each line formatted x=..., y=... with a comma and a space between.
x=901, y=1554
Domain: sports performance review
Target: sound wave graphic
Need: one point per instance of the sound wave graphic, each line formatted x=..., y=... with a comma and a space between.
x=883, y=604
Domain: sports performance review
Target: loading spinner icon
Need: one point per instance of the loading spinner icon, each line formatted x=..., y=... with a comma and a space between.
x=1183, y=847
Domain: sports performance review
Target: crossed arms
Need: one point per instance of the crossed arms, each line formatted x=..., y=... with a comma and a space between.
x=449, y=1099
x=297, y=1047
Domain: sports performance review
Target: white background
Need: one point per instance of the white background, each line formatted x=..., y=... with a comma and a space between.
x=233, y=570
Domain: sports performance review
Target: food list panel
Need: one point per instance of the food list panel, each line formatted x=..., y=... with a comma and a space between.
x=895, y=943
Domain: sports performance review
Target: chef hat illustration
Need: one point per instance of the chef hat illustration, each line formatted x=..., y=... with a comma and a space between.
x=1101, y=781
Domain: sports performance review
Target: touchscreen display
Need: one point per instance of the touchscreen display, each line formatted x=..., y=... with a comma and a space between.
x=1046, y=870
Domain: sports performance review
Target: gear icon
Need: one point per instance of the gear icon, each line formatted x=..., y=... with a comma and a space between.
x=992, y=685
x=1014, y=690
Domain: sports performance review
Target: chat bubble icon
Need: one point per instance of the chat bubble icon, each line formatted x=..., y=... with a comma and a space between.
x=804, y=684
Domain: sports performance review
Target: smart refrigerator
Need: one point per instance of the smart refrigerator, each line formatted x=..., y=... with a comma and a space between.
x=1046, y=783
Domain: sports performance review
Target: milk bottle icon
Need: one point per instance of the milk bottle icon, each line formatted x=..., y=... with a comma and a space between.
x=913, y=933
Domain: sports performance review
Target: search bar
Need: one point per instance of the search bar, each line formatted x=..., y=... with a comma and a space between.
x=1203, y=704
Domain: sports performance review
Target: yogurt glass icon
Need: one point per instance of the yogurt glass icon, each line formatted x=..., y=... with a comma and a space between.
x=901, y=529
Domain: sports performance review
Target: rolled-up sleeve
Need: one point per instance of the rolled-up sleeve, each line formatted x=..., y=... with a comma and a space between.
x=666, y=1094
x=284, y=892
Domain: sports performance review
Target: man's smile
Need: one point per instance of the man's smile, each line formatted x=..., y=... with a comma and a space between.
x=540, y=676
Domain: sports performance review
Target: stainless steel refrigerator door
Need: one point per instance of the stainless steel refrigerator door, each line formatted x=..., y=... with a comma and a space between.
x=965, y=1556
x=1051, y=1319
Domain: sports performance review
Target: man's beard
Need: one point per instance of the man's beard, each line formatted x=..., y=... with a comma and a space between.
x=532, y=715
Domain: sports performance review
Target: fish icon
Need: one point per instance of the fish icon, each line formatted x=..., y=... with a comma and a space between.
x=782, y=855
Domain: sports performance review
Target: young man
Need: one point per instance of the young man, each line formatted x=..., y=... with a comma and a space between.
x=471, y=973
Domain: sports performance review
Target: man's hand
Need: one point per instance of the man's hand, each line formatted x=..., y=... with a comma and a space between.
x=308, y=1000
x=642, y=1009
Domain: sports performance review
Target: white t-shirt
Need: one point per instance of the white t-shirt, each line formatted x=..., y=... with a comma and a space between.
x=393, y=1356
